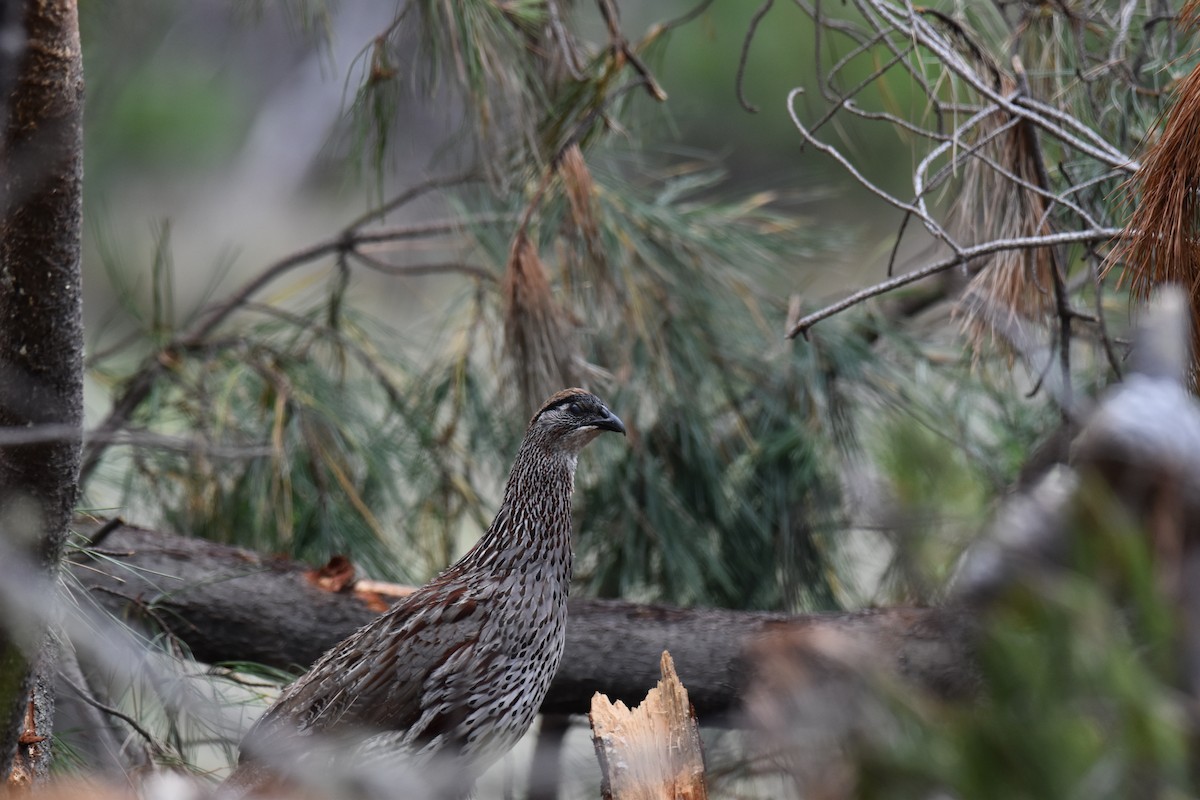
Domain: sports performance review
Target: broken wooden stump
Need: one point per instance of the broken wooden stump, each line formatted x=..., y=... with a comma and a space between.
x=651, y=752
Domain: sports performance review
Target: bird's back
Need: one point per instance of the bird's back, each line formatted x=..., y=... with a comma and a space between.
x=414, y=668
x=458, y=668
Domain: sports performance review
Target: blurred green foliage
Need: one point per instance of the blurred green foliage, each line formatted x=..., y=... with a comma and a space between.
x=1079, y=691
x=158, y=102
x=174, y=116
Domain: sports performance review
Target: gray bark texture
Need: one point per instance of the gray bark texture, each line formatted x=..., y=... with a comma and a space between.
x=41, y=336
x=229, y=604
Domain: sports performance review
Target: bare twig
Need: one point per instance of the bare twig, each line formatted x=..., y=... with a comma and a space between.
x=963, y=256
x=412, y=193
x=741, y=70
x=86, y=697
x=39, y=434
x=104, y=531
x=562, y=37
x=1061, y=302
x=620, y=47
x=416, y=270
x=682, y=19
x=887, y=197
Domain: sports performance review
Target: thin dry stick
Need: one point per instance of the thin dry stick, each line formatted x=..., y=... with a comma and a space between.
x=682, y=19
x=887, y=197
x=963, y=256
x=412, y=193
x=745, y=56
x=40, y=434
x=87, y=697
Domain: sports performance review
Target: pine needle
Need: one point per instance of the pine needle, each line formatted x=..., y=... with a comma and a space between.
x=538, y=334
x=580, y=190
x=1189, y=15
x=1012, y=283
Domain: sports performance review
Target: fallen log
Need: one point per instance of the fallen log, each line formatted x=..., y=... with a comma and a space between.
x=230, y=604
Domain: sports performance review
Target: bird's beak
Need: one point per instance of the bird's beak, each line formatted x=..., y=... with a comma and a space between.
x=609, y=421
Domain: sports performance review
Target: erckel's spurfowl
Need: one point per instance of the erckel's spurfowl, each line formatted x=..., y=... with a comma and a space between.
x=460, y=667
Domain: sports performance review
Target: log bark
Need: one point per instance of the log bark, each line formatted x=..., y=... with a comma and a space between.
x=229, y=604
x=41, y=334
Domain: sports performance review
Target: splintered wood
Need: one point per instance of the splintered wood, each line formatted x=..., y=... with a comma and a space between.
x=651, y=752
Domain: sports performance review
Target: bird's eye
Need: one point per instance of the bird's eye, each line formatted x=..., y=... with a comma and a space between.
x=575, y=408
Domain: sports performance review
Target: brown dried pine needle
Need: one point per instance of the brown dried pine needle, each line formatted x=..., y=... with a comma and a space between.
x=1161, y=242
x=1189, y=15
x=577, y=182
x=1012, y=283
x=538, y=333
x=580, y=191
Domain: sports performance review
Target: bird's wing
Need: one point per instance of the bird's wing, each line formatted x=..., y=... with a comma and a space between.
x=382, y=677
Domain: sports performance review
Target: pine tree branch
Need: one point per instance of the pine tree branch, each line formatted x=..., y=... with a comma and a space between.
x=348, y=242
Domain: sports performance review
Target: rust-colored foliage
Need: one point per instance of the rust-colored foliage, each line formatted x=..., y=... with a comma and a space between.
x=580, y=190
x=577, y=182
x=1189, y=14
x=537, y=331
x=337, y=575
x=1160, y=245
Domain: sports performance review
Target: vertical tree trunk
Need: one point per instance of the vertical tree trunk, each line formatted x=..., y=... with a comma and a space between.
x=41, y=341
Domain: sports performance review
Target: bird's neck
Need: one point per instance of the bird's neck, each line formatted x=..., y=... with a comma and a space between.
x=533, y=525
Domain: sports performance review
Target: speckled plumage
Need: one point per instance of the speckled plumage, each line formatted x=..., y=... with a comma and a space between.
x=461, y=666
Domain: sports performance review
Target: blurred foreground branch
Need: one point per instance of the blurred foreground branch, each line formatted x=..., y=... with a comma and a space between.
x=1082, y=585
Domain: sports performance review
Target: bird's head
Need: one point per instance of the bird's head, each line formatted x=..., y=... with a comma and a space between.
x=570, y=419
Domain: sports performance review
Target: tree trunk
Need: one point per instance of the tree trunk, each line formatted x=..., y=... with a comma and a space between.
x=41, y=337
x=229, y=604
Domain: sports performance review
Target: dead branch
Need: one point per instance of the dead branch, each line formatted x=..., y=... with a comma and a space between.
x=978, y=96
x=968, y=253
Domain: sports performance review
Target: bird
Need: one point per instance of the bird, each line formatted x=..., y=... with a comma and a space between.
x=458, y=669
